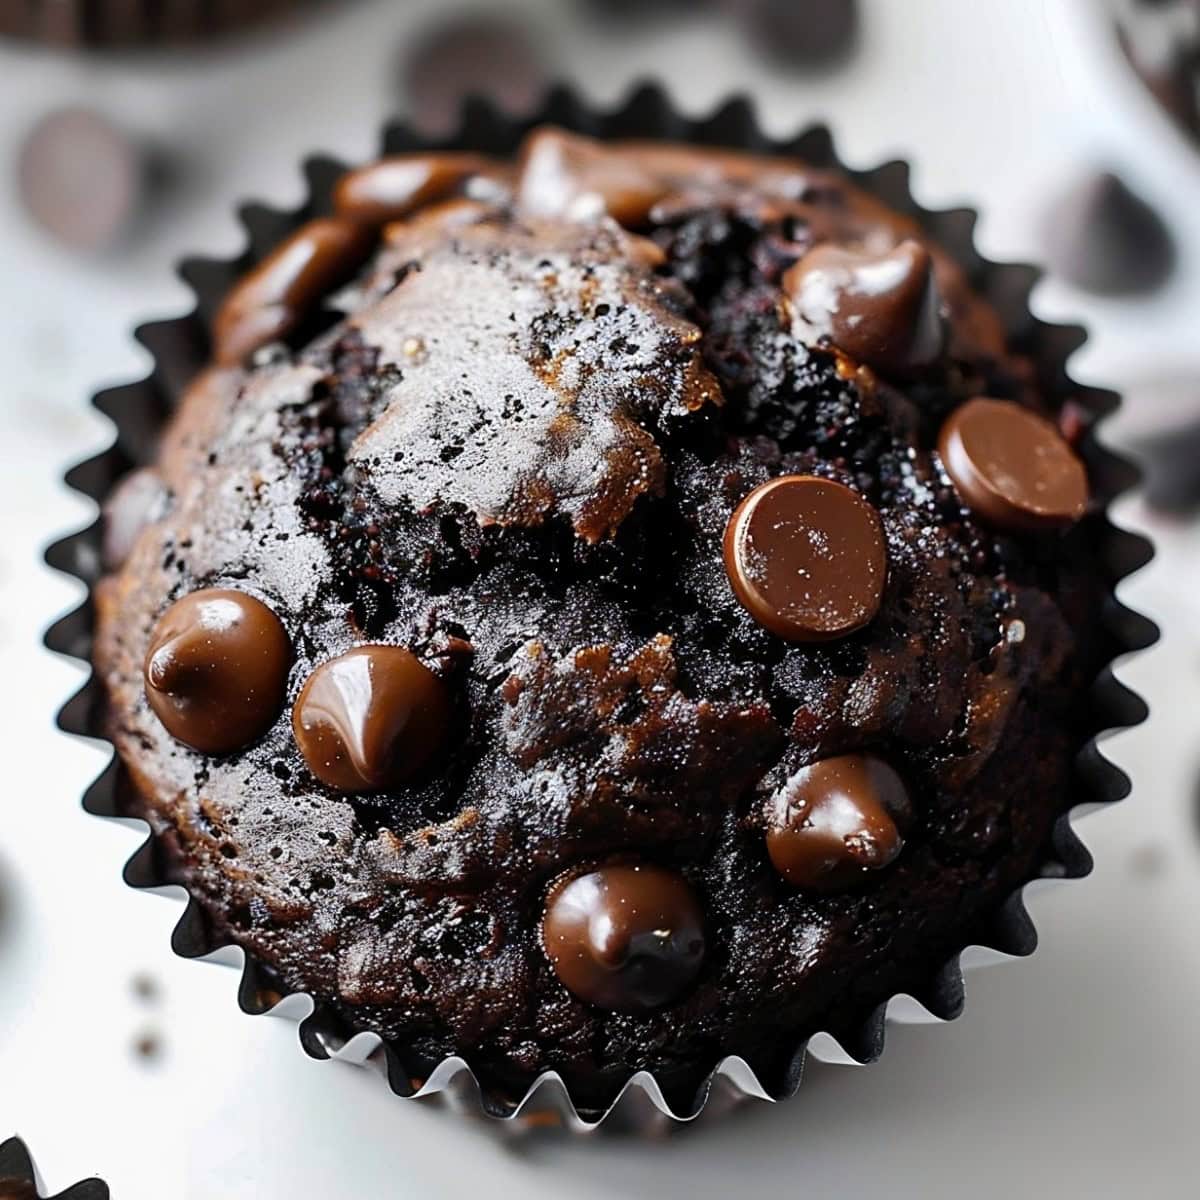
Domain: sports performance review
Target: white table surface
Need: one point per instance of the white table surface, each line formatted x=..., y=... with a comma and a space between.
x=1075, y=1073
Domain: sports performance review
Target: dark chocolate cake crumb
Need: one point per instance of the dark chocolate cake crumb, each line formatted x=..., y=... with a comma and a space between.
x=588, y=758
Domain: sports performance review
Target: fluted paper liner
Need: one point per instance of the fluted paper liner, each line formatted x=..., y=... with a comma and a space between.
x=16, y=1167
x=180, y=347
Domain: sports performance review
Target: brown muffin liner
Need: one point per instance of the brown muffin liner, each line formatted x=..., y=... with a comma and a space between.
x=180, y=347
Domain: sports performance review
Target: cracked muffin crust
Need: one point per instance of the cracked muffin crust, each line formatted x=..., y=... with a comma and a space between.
x=573, y=770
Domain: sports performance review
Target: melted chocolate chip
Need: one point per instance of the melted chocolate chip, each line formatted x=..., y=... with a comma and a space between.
x=1101, y=236
x=807, y=558
x=271, y=300
x=139, y=500
x=1011, y=467
x=883, y=309
x=837, y=820
x=217, y=669
x=370, y=718
x=81, y=178
x=627, y=938
x=392, y=187
x=564, y=174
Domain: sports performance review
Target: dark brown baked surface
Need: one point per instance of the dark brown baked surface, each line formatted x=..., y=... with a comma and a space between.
x=514, y=451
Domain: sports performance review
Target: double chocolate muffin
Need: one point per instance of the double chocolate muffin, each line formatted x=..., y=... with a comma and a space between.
x=603, y=612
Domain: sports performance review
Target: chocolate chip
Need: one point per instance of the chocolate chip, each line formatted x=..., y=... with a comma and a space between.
x=1012, y=467
x=807, y=33
x=1101, y=236
x=562, y=174
x=475, y=55
x=371, y=718
x=80, y=178
x=837, y=820
x=217, y=669
x=807, y=558
x=627, y=938
x=388, y=189
x=140, y=499
x=881, y=309
x=269, y=301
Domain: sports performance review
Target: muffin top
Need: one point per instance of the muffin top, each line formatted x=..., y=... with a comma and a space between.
x=603, y=612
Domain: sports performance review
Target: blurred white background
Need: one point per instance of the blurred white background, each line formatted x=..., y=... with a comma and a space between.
x=1074, y=1073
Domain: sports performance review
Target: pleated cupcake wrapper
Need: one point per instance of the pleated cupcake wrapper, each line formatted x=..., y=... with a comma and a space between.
x=16, y=1166
x=180, y=347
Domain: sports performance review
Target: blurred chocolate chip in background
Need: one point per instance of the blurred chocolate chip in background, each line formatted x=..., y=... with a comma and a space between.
x=1172, y=467
x=479, y=55
x=801, y=33
x=1161, y=41
x=1102, y=237
x=83, y=179
x=1168, y=449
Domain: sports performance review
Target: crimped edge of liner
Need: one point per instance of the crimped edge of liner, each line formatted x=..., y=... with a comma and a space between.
x=16, y=1165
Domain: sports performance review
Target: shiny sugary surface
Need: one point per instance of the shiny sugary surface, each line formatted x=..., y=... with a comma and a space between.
x=517, y=456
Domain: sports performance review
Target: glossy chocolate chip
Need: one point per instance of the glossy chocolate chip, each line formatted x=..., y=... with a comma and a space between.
x=837, y=820
x=1011, y=467
x=81, y=178
x=807, y=558
x=627, y=938
x=370, y=718
x=140, y=499
x=216, y=670
x=392, y=187
x=563, y=174
x=1101, y=236
x=275, y=296
x=881, y=309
